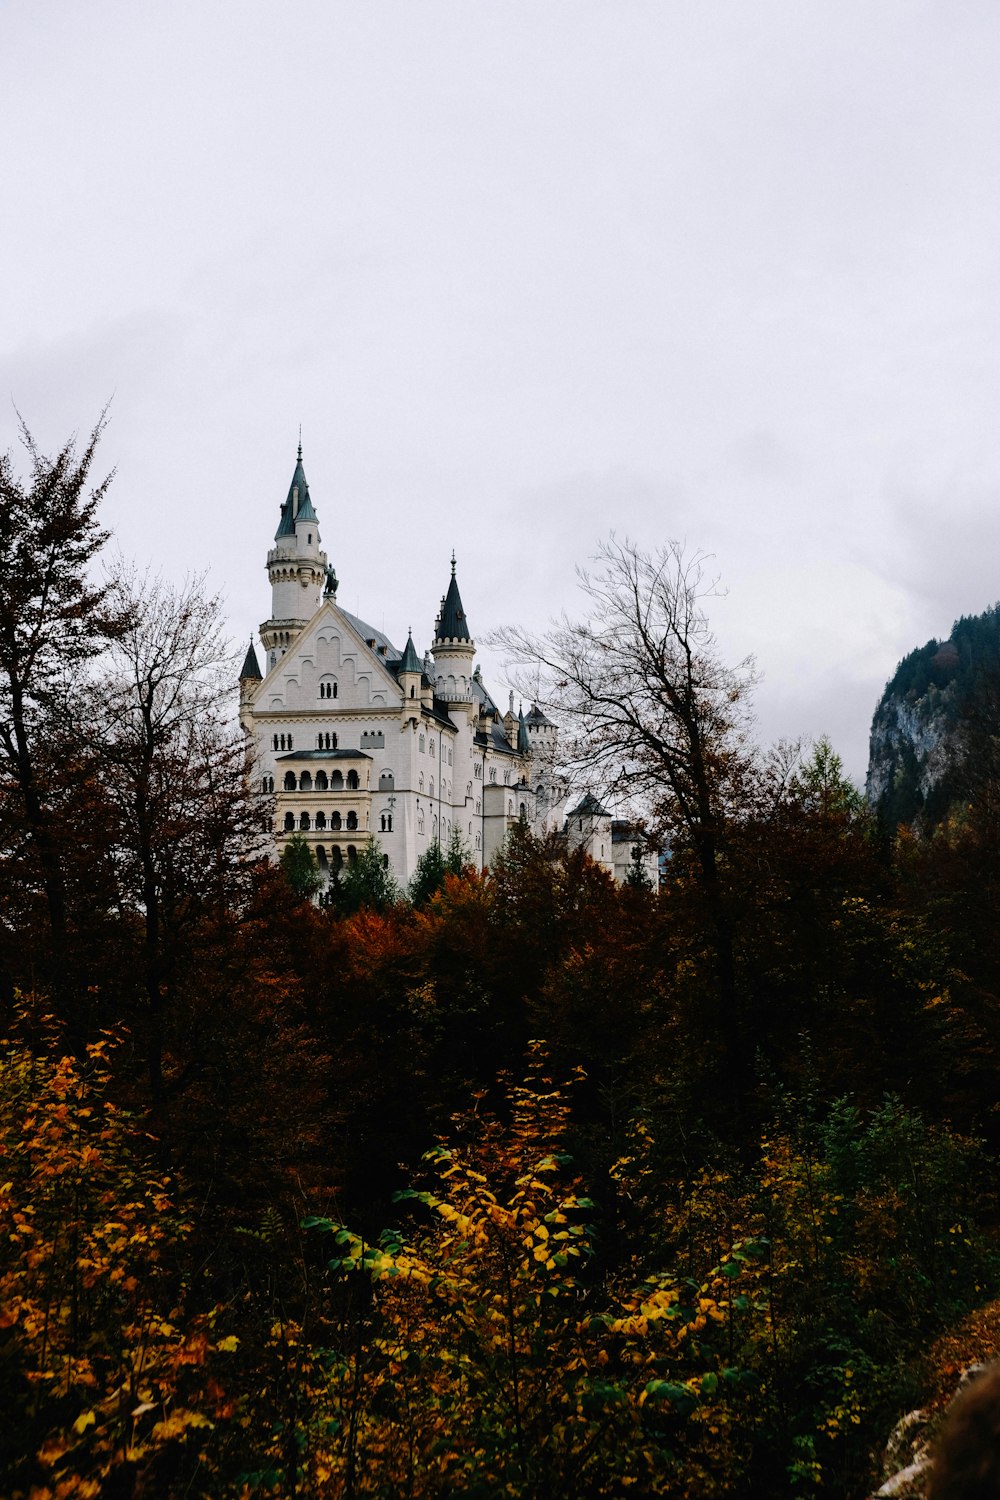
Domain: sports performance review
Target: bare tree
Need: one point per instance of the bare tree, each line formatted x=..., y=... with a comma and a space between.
x=649, y=713
x=177, y=775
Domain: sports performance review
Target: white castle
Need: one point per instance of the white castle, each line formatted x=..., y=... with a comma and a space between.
x=359, y=741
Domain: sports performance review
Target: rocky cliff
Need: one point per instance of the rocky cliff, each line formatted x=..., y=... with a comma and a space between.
x=920, y=738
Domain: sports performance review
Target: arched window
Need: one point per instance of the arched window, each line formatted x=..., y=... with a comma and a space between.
x=289, y=781
x=434, y=828
x=523, y=810
x=321, y=820
x=385, y=861
x=420, y=822
x=421, y=782
x=383, y=822
x=337, y=782
x=421, y=744
x=263, y=784
x=479, y=805
x=320, y=854
x=337, y=856
x=388, y=820
x=506, y=778
x=468, y=790
x=290, y=742
x=352, y=854
x=493, y=773
x=432, y=786
x=352, y=820
x=327, y=687
x=352, y=781
x=289, y=821
x=322, y=784
x=275, y=742
x=413, y=694
x=385, y=781
x=431, y=747
x=305, y=782
x=479, y=841
x=335, y=820
x=478, y=771
x=450, y=762
x=282, y=742
x=304, y=821
x=510, y=807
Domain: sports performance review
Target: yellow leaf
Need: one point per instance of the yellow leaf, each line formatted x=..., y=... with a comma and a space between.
x=84, y=1420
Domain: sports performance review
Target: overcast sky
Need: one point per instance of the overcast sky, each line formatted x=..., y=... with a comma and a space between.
x=526, y=271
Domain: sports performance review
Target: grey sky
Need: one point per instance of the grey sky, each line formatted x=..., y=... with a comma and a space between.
x=526, y=271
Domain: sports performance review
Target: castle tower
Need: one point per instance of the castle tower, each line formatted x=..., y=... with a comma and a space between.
x=297, y=568
x=453, y=649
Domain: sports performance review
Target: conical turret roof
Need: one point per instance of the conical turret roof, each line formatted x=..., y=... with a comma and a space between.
x=410, y=661
x=250, y=665
x=298, y=506
x=523, y=743
x=451, y=624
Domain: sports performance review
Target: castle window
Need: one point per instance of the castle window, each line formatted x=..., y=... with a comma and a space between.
x=289, y=822
x=305, y=782
x=493, y=773
x=310, y=539
x=413, y=691
x=335, y=820
x=449, y=755
x=421, y=744
x=420, y=822
x=263, y=785
x=289, y=781
x=389, y=821
x=523, y=810
x=304, y=821
x=478, y=771
x=321, y=820
x=385, y=861
x=479, y=841
x=468, y=790
x=385, y=781
x=337, y=781
x=432, y=786
x=506, y=778
x=421, y=782
x=352, y=854
x=383, y=822
x=352, y=781
x=322, y=782
x=337, y=856
x=321, y=856
x=275, y=742
x=352, y=820
x=431, y=747
x=479, y=805
x=327, y=687
x=510, y=808
x=289, y=742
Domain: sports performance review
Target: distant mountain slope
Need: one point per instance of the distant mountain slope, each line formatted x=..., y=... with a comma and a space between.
x=920, y=733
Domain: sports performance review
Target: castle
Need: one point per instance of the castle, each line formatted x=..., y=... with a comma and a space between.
x=360, y=742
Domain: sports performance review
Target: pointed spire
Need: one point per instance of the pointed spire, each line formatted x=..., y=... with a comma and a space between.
x=451, y=623
x=410, y=661
x=250, y=665
x=297, y=506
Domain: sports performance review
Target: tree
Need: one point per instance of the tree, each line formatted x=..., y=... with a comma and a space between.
x=187, y=827
x=655, y=716
x=368, y=881
x=53, y=620
x=299, y=867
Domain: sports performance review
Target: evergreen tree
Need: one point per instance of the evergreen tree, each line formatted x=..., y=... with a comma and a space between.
x=298, y=865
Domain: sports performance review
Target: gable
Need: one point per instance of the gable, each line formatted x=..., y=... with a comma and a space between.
x=329, y=668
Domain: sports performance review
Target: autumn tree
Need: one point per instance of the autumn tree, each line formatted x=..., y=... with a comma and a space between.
x=53, y=621
x=653, y=716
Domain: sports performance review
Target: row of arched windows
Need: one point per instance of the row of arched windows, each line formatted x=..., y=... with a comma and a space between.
x=305, y=822
x=336, y=857
x=283, y=742
x=321, y=783
x=326, y=741
x=328, y=689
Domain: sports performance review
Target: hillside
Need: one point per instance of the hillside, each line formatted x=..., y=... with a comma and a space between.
x=922, y=750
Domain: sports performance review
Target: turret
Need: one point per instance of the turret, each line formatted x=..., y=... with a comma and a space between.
x=409, y=674
x=453, y=648
x=250, y=675
x=297, y=568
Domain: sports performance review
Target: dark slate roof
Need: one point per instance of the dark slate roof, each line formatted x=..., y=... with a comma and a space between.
x=495, y=737
x=289, y=513
x=369, y=633
x=411, y=661
x=325, y=755
x=588, y=807
x=451, y=624
x=481, y=693
x=523, y=743
x=251, y=667
x=535, y=716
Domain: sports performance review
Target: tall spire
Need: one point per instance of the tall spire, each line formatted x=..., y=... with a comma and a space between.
x=451, y=624
x=298, y=506
x=251, y=667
